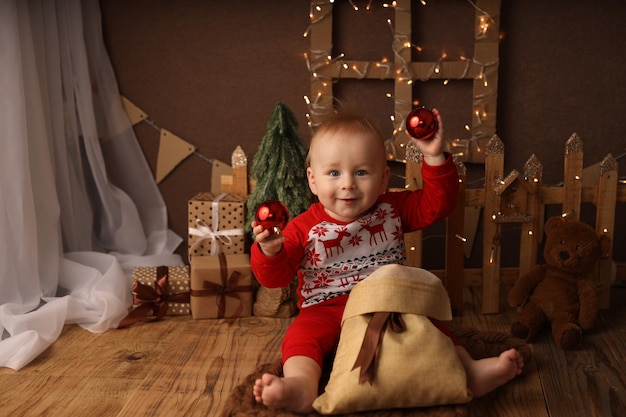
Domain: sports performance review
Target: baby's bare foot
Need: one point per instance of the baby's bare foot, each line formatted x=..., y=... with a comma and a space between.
x=283, y=393
x=512, y=363
x=485, y=375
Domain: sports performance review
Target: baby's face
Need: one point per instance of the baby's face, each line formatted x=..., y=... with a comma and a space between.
x=347, y=173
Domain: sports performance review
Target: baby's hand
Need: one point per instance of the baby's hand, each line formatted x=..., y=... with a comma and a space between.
x=432, y=149
x=270, y=245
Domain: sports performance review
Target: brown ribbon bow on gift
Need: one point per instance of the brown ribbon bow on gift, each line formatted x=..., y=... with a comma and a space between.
x=155, y=298
x=370, y=349
x=228, y=288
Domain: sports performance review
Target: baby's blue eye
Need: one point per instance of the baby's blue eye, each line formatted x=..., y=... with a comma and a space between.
x=334, y=173
x=361, y=172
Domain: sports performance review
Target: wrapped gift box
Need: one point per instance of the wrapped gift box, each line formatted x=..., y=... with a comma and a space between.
x=178, y=287
x=159, y=291
x=221, y=286
x=216, y=223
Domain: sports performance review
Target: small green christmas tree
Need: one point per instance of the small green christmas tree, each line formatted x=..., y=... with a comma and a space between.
x=279, y=166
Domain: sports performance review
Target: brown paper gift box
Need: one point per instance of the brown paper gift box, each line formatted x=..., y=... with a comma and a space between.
x=178, y=283
x=159, y=291
x=216, y=223
x=221, y=286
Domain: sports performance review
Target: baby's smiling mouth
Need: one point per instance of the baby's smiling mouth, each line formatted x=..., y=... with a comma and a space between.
x=348, y=200
x=348, y=197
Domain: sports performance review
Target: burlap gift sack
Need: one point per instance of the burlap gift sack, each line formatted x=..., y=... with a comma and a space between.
x=416, y=364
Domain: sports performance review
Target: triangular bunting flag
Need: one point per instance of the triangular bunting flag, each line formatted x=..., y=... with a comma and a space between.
x=172, y=151
x=134, y=113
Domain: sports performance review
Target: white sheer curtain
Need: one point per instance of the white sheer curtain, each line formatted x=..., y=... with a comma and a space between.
x=79, y=208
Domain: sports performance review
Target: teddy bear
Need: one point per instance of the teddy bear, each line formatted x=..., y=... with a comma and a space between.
x=560, y=292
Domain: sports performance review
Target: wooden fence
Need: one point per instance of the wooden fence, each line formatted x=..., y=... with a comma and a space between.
x=520, y=198
x=513, y=198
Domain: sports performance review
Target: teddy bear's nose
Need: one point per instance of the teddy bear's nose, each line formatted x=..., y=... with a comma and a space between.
x=564, y=255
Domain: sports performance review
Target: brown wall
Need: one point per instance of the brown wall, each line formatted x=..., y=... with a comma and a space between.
x=211, y=72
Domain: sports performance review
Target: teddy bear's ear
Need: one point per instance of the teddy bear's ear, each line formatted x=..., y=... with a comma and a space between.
x=605, y=245
x=552, y=224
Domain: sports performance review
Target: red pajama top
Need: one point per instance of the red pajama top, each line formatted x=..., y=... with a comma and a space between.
x=330, y=256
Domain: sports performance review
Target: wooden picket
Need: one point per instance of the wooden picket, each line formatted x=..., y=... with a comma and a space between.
x=517, y=198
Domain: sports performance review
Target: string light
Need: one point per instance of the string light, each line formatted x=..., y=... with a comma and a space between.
x=384, y=63
x=317, y=7
x=484, y=21
x=437, y=69
x=337, y=67
x=483, y=26
x=361, y=73
x=337, y=58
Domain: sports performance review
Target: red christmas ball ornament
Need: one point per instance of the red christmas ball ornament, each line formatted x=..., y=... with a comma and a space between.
x=421, y=123
x=272, y=215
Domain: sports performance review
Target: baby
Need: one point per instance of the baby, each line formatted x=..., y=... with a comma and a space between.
x=356, y=227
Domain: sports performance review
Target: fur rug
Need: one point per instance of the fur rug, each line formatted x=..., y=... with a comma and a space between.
x=241, y=403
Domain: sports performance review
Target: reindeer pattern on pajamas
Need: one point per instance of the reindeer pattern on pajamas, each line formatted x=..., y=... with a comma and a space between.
x=338, y=255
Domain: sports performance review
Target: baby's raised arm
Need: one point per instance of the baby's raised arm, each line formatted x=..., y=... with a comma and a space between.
x=432, y=149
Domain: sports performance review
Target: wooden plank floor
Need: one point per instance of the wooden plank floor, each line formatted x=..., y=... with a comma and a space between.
x=185, y=367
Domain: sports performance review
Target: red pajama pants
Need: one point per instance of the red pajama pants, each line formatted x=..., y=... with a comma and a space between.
x=315, y=331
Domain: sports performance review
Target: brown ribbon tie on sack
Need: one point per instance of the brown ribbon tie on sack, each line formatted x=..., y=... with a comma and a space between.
x=156, y=298
x=367, y=358
x=228, y=288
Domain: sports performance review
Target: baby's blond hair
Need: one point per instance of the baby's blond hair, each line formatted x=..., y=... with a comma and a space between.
x=346, y=123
